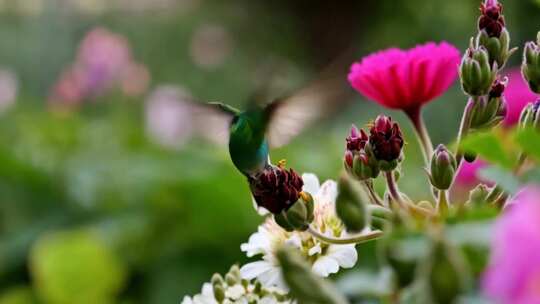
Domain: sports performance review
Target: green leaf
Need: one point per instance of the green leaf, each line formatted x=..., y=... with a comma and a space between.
x=529, y=141
x=502, y=177
x=490, y=147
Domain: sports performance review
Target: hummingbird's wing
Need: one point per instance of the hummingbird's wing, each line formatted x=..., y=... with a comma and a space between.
x=288, y=117
x=212, y=120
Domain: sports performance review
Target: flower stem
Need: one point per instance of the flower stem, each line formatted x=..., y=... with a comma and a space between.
x=415, y=115
x=442, y=204
x=464, y=129
x=353, y=239
x=374, y=196
x=396, y=196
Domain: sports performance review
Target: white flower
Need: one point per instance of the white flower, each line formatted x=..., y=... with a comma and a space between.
x=205, y=297
x=325, y=258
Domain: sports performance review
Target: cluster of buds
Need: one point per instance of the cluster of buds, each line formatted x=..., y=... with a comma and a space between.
x=231, y=288
x=492, y=33
x=443, y=168
x=366, y=156
x=491, y=109
x=476, y=72
x=280, y=191
x=531, y=64
x=530, y=116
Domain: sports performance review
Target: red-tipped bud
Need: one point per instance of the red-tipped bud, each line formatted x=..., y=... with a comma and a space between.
x=276, y=189
x=492, y=19
x=386, y=139
x=357, y=139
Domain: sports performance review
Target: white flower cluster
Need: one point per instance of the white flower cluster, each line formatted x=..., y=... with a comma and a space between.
x=234, y=290
x=324, y=258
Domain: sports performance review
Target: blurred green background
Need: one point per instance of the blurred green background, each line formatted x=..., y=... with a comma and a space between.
x=93, y=209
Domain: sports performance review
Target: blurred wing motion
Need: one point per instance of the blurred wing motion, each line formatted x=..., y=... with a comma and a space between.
x=325, y=96
x=212, y=121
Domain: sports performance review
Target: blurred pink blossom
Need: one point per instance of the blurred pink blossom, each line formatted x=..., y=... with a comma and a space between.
x=103, y=62
x=406, y=79
x=169, y=116
x=517, y=95
x=514, y=272
x=468, y=173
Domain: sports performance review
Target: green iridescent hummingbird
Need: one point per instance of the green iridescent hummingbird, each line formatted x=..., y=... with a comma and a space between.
x=252, y=132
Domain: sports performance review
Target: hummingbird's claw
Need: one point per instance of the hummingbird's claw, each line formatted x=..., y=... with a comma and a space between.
x=282, y=163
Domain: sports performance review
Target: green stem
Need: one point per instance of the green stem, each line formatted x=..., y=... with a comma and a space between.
x=442, y=204
x=494, y=194
x=396, y=196
x=415, y=115
x=464, y=129
x=353, y=239
x=374, y=196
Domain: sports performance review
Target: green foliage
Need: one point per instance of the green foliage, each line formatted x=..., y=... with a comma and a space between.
x=76, y=266
x=490, y=147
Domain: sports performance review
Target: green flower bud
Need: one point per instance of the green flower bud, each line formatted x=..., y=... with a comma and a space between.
x=443, y=168
x=380, y=217
x=217, y=279
x=446, y=274
x=304, y=285
x=469, y=156
x=476, y=72
x=478, y=195
x=219, y=293
x=530, y=116
x=350, y=208
x=490, y=110
x=298, y=216
x=498, y=47
x=530, y=67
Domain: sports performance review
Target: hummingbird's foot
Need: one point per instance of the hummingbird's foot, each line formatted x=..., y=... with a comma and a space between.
x=282, y=163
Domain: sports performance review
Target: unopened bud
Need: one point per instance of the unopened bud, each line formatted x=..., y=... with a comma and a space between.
x=299, y=216
x=493, y=34
x=530, y=116
x=304, y=285
x=478, y=195
x=386, y=142
x=219, y=293
x=359, y=160
x=530, y=67
x=476, y=72
x=217, y=279
x=446, y=273
x=442, y=168
x=490, y=110
x=350, y=208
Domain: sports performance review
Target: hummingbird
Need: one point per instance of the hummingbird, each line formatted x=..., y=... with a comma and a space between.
x=264, y=125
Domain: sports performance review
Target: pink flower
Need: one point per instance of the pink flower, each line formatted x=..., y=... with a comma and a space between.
x=514, y=272
x=406, y=79
x=468, y=173
x=517, y=95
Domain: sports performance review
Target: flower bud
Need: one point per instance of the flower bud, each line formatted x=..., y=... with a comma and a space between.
x=380, y=217
x=350, y=208
x=446, y=273
x=386, y=142
x=442, y=168
x=493, y=34
x=530, y=67
x=478, y=195
x=476, y=72
x=276, y=189
x=359, y=160
x=530, y=116
x=299, y=216
x=490, y=110
x=305, y=286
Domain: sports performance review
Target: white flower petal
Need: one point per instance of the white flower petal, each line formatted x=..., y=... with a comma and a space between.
x=235, y=292
x=294, y=241
x=311, y=183
x=254, y=269
x=271, y=277
x=258, y=243
x=315, y=249
x=260, y=210
x=345, y=255
x=327, y=193
x=325, y=266
x=187, y=300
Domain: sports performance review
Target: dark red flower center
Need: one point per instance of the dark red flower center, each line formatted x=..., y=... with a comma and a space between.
x=276, y=188
x=492, y=19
